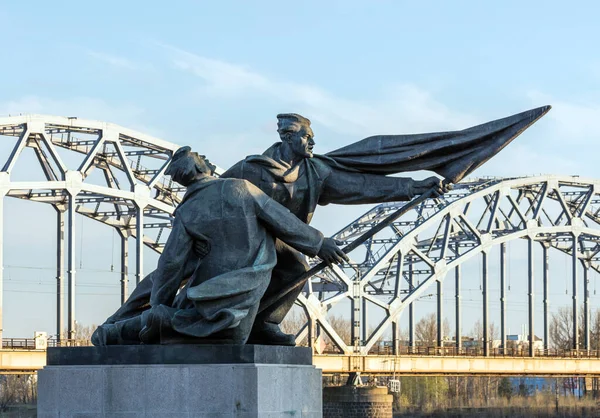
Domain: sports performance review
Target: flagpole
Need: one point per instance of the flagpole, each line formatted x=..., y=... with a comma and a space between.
x=350, y=247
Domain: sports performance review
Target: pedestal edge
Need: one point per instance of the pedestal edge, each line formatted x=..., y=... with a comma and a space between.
x=178, y=354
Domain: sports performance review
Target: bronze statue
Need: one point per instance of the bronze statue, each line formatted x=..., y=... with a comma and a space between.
x=292, y=175
x=222, y=247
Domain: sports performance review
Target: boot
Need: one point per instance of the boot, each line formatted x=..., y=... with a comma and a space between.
x=267, y=333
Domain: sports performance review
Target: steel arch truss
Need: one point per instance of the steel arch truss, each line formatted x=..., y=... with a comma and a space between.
x=116, y=176
x=99, y=170
x=415, y=254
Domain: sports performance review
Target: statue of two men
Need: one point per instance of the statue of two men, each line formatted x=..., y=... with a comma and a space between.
x=239, y=240
x=217, y=262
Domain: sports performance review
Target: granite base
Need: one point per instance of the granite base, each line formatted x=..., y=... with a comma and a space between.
x=238, y=387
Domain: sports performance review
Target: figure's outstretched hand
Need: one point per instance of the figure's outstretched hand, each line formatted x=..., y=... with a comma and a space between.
x=423, y=186
x=331, y=253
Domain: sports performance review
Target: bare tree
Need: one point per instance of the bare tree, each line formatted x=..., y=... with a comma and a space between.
x=561, y=328
x=293, y=323
x=16, y=389
x=595, y=330
x=8, y=392
x=83, y=334
x=426, y=330
x=477, y=331
x=446, y=327
x=493, y=333
x=295, y=320
x=402, y=337
x=595, y=345
x=342, y=326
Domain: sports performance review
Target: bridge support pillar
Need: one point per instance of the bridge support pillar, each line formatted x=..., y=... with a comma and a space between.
x=365, y=321
x=60, y=267
x=503, y=296
x=411, y=310
x=357, y=401
x=124, y=265
x=2, y=192
x=71, y=266
x=457, y=297
x=486, y=325
x=530, y=277
x=395, y=338
x=546, y=296
x=574, y=262
x=139, y=241
x=440, y=314
x=586, y=307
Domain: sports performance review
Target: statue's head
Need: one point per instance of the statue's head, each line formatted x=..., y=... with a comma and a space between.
x=296, y=132
x=187, y=166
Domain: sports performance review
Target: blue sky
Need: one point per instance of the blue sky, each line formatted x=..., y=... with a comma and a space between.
x=214, y=75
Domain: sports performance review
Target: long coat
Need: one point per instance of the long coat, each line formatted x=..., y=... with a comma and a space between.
x=238, y=222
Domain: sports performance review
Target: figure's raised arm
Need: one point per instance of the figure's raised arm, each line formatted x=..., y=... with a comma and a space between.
x=347, y=187
x=353, y=188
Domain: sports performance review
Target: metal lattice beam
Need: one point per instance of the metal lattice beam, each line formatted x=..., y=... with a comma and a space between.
x=132, y=186
x=441, y=234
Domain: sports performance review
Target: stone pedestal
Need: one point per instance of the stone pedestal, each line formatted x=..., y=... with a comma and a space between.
x=179, y=381
x=357, y=402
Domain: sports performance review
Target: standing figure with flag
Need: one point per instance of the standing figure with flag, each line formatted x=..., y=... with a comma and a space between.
x=292, y=175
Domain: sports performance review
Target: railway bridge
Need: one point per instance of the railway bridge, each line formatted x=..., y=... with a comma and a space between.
x=115, y=176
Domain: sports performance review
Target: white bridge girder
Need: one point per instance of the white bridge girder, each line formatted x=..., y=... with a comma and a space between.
x=430, y=241
x=438, y=236
x=23, y=361
x=131, y=195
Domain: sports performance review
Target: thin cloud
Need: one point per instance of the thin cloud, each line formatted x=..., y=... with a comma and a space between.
x=115, y=61
x=220, y=75
x=401, y=108
x=562, y=142
x=572, y=122
x=527, y=158
x=553, y=145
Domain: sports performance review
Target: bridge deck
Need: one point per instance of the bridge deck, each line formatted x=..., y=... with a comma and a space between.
x=29, y=361
x=456, y=365
x=21, y=361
